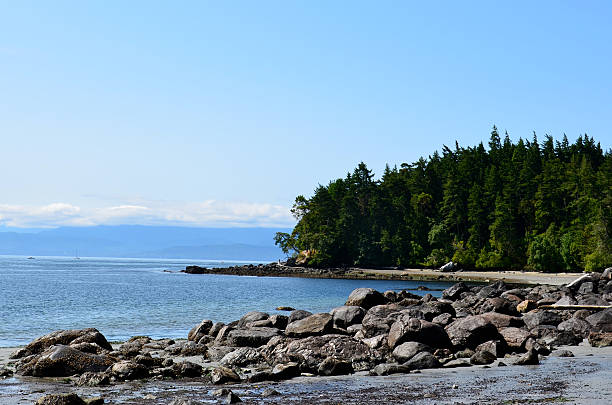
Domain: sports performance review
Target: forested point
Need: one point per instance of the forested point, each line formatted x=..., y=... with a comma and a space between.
x=524, y=205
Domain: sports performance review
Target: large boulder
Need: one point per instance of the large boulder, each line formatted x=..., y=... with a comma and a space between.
x=335, y=366
x=538, y=318
x=60, y=399
x=408, y=350
x=502, y=320
x=601, y=321
x=515, y=338
x=408, y=329
x=62, y=361
x=128, y=370
x=453, y=293
x=252, y=316
x=252, y=337
x=482, y=357
x=313, y=350
x=600, y=339
x=317, y=324
x=499, y=305
x=63, y=337
x=200, y=330
x=346, y=316
x=379, y=318
x=431, y=309
x=242, y=357
x=422, y=361
x=222, y=375
x=576, y=326
x=471, y=331
x=365, y=298
x=298, y=314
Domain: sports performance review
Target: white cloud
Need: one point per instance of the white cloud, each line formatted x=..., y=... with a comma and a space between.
x=206, y=213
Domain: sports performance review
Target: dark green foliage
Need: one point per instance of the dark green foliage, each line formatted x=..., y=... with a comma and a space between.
x=545, y=207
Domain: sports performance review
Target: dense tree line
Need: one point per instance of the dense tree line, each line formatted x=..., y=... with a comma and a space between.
x=541, y=206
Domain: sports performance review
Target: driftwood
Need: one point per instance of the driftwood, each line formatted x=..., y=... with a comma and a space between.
x=579, y=279
x=574, y=307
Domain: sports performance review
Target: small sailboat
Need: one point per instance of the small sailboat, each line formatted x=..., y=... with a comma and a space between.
x=76, y=255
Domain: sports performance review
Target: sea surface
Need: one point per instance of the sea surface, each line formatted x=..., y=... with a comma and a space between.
x=129, y=297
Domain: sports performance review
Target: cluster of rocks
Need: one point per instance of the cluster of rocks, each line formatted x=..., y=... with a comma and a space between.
x=379, y=333
x=269, y=270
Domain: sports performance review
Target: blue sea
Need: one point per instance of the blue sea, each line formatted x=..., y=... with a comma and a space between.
x=129, y=297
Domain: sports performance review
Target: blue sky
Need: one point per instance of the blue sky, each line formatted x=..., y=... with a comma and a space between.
x=220, y=113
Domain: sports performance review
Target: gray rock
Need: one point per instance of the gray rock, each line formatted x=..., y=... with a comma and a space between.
x=462, y=362
x=496, y=347
x=346, y=316
x=538, y=318
x=279, y=321
x=576, y=326
x=62, y=337
x=335, y=366
x=90, y=379
x=270, y=392
x=529, y=358
x=408, y=350
x=285, y=371
x=241, y=357
x=200, y=330
x=443, y=319
x=232, y=398
x=252, y=317
x=5, y=372
x=297, y=315
x=482, y=357
x=252, y=337
x=312, y=350
x=455, y=291
x=499, y=305
x=366, y=298
x=184, y=401
x=317, y=324
x=601, y=321
x=222, y=375
x=515, y=338
x=216, y=353
x=562, y=353
x=128, y=370
x=60, y=399
x=376, y=341
x=422, y=361
x=600, y=339
x=187, y=369
x=389, y=368
x=62, y=361
x=417, y=330
x=471, y=331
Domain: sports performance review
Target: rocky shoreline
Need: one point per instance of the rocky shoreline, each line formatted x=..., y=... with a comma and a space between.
x=374, y=333
x=283, y=270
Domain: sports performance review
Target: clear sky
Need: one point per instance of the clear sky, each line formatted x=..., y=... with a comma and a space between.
x=220, y=113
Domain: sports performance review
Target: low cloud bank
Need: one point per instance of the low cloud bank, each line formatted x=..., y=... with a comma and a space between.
x=211, y=213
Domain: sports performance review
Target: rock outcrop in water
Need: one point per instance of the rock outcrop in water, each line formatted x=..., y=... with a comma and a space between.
x=381, y=333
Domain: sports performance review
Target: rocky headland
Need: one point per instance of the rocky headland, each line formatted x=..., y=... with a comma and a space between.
x=375, y=333
x=282, y=269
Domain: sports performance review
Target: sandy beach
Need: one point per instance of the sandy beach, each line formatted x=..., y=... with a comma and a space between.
x=518, y=277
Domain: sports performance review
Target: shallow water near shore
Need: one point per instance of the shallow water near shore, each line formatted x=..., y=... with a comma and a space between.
x=129, y=297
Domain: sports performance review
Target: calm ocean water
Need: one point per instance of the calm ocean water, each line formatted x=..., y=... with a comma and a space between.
x=128, y=297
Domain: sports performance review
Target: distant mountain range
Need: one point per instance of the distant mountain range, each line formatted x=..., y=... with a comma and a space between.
x=145, y=242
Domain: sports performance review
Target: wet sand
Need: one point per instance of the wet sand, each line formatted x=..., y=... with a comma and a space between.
x=584, y=379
